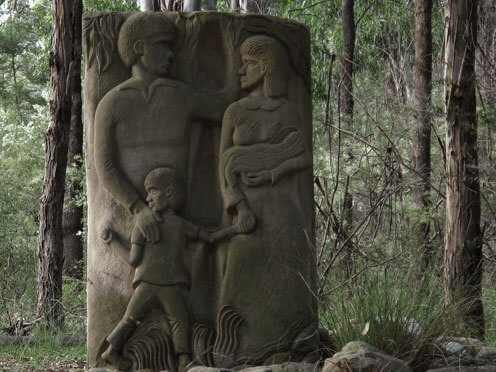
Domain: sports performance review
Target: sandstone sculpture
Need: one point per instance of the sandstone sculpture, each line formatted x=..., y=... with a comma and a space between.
x=161, y=162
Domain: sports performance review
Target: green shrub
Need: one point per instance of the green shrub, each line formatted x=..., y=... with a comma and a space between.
x=394, y=312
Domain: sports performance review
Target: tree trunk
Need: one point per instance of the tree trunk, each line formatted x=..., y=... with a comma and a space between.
x=192, y=5
x=146, y=5
x=66, y=14
x=346, y=86
x=421, y=136
x=346, y=106
x=463, y=240
x=72, y=223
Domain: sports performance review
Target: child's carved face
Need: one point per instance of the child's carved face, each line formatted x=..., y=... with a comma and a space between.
x=157, y=200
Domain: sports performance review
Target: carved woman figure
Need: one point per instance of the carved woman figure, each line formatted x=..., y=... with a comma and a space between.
x=267, y=312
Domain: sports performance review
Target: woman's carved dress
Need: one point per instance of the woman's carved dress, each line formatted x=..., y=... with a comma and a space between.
x=267, y=307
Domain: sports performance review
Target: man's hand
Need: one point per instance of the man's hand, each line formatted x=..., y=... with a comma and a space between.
x=148, y=224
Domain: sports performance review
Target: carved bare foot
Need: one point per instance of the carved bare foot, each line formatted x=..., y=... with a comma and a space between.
x=113, y=357
x=184, y=362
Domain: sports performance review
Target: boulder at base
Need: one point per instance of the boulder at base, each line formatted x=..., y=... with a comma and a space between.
x=359, y=356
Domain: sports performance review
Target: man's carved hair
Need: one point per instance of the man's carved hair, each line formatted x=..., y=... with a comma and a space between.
x=141, y=25
x=273, y=56
x=165, y=178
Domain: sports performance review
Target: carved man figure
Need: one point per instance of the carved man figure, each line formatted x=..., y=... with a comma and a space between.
x=146, y=121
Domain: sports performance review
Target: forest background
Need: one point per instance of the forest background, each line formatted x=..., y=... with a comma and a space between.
x=373, y=273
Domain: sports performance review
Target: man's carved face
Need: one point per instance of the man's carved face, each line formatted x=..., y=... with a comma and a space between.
x=156, y=56
x=157, y=200
x=252, y=72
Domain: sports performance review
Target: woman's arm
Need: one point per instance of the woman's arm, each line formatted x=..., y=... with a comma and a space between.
x=234, y=200
x=293, y=165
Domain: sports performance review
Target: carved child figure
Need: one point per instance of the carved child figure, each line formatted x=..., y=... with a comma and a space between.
x=161, y=275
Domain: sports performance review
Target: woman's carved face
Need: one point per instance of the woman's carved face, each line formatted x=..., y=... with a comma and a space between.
x=252, y=72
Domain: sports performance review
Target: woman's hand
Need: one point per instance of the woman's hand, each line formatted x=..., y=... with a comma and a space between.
x=246, y=218
x=256, y=178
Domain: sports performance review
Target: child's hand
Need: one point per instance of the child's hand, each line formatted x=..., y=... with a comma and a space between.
x=106, y=235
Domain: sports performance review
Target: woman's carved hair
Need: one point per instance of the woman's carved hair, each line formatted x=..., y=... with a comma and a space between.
x=141, y=25
x=272, y=55
x=165, y=178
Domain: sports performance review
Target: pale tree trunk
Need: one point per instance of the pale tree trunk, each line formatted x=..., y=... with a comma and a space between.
x=346, y=107
x=192, y=5
x=146, y=5
x=72, y=223
x=463, y=241
x=421, y=136
x=66, y=14
x=249, y=6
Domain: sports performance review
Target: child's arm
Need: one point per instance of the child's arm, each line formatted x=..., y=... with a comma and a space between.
x=135, y=255
x=222, y=234
x=131, y=256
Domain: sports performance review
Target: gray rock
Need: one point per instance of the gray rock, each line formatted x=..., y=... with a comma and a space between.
x=487, y=354
x=285, y=367
x=465, y=369
x=460, y=345
x=452, y=361
x=359, y=356
x=455, y=348
x=208, y=369
x=98, y=370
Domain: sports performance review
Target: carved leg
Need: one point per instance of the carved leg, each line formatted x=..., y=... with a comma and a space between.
x=136, y=308
x=174, y=305
x=117, y=339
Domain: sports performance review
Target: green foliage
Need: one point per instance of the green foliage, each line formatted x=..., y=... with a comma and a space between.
x=112, y=5
x=391, y=310
x=48, y=352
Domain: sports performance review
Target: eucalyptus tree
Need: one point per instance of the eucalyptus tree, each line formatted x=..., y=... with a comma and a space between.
x=63, y=57
x=421, y=134
x=463, y=237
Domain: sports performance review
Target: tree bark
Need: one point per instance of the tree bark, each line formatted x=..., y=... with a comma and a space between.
x=72, y=223
x=421, y=136
x=463, y=241
x=66, y=14
x=346, y=107
x=346, y=86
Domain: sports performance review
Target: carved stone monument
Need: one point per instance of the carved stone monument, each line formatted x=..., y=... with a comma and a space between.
x=199, y=169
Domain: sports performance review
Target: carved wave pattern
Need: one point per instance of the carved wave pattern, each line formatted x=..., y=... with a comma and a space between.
x=151, y=348
x=281, y=344
x=228, y=322
x=203, y=343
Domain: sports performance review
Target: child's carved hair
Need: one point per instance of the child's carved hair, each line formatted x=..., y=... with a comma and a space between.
x=165, y=178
